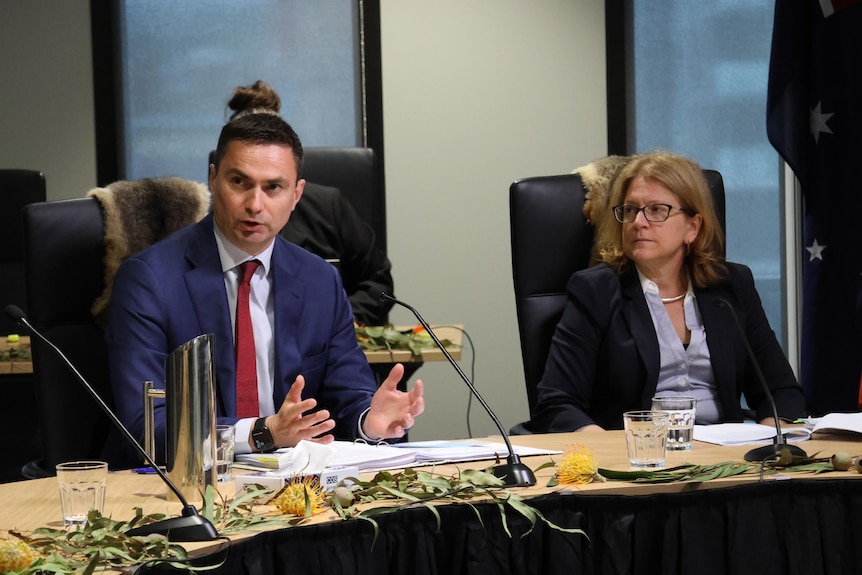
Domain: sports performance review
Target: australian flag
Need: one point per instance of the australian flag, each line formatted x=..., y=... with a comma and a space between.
x=814, y=121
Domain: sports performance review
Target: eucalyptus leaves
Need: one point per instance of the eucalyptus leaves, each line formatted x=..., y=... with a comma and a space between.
x=689, y=472
x=412, y=487
x=103, y=542
x=387, y=338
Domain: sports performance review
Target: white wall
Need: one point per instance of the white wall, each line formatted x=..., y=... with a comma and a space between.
x=477, y=94
x=46, y=93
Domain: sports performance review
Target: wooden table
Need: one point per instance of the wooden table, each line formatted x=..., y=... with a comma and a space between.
x=14, y=366
x=31, y=504
x=27, y=505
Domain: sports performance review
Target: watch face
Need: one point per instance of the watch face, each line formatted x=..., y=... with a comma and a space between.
x=262, y=437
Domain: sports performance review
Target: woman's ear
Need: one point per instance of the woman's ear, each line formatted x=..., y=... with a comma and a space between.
x=694, y=224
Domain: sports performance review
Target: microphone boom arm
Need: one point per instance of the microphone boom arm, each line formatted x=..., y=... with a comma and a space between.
x=762, y=453
x=514, y=473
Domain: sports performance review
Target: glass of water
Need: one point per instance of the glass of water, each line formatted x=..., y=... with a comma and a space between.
x=82, y=488
x=680, y=411
x=646, y=437
x=225, y=444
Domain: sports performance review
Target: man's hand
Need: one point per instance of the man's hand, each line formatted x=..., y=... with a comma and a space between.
x=296, y=420
x=393, y=411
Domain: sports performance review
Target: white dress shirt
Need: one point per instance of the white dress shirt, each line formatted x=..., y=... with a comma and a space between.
x=262, y=309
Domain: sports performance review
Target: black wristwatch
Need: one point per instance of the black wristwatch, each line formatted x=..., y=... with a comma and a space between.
x=262, y=437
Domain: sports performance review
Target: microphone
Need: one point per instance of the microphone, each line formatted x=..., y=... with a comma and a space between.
x=191, y=526
x=513, y=472
x=767, y=451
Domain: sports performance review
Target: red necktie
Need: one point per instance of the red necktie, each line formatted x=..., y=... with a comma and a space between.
x=246, y=364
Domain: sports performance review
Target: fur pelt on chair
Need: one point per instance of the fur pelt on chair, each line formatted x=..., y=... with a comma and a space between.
x=140, y=213
x=598, y=179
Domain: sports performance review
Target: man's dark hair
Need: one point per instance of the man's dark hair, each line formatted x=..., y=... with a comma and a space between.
x=264, y=128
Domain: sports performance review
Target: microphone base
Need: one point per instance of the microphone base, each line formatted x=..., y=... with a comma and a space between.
x=773, y=451
x=189, y=528
x=514, y=473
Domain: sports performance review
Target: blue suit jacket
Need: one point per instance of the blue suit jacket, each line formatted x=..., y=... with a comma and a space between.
x=174, y=291
x=604, y=357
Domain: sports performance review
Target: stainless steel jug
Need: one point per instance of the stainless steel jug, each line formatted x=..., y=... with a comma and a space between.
x=190, y=417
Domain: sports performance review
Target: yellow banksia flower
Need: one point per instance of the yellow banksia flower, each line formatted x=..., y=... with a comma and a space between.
x=578, y=466
x=299, y=495
x=15, y=555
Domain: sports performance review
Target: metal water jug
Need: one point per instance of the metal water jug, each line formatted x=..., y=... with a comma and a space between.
x=190, y=417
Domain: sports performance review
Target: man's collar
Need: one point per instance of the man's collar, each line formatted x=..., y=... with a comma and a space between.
x=232, y=256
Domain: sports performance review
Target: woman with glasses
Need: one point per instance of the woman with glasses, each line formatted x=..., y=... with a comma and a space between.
x=659, y=315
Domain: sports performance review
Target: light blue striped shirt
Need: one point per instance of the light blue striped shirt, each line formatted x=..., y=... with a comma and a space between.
x=684, y=370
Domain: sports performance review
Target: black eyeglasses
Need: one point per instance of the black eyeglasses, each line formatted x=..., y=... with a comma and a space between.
x=627, y=213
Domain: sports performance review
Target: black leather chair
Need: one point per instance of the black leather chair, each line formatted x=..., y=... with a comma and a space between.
x=356, y=172
x=65, y=274
x=17, y=189
x=18, y=412
x=551, y=240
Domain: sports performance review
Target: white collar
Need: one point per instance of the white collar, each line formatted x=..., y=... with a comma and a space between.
x=231, y=256
x=649, y=286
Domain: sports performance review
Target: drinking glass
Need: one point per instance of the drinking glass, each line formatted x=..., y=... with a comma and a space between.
x=680, y=410
x=225, y=443
x=82, y=488
x=646, y=438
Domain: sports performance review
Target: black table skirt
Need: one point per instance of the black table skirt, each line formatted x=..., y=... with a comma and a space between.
x=787, y=527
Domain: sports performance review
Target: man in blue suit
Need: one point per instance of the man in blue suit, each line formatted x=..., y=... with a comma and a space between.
x=313, y=380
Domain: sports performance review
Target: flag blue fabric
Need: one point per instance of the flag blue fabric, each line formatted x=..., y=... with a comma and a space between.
x=814, y=121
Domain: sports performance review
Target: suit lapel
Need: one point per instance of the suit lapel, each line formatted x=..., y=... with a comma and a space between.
x=641, y=327
x=205, y=283
x=719, y=321
x=288, y=290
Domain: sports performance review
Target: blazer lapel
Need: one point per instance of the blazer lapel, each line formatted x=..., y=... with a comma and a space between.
x=641, y=327
x=205, y=284
x=716, y=321
x=288, y=290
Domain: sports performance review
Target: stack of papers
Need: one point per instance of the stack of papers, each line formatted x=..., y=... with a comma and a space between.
x=308, y=457
x=747, y=433
x=838, y=422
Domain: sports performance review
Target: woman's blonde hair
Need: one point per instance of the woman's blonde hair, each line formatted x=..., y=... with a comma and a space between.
x=703, y=260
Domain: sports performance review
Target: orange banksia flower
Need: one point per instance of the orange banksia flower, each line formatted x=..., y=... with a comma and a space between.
x=578, y=466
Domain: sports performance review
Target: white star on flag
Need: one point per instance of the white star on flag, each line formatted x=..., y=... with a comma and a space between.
x=818, y=123
x=816, y=251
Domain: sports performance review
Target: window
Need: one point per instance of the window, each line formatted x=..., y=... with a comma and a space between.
x=697, y=78
x=179, y=63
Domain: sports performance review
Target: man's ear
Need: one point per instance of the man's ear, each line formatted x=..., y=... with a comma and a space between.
x=300, y=187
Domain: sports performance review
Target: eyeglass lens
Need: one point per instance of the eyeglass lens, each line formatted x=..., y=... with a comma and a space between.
x=627, y=213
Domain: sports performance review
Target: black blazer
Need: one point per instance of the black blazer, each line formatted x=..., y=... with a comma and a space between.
x=325, y=224
x=604, y=356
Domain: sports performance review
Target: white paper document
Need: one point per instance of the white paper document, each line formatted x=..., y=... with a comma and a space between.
x=838, y=422
x=308, y=457
x=751, y=433
x=745, y=433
